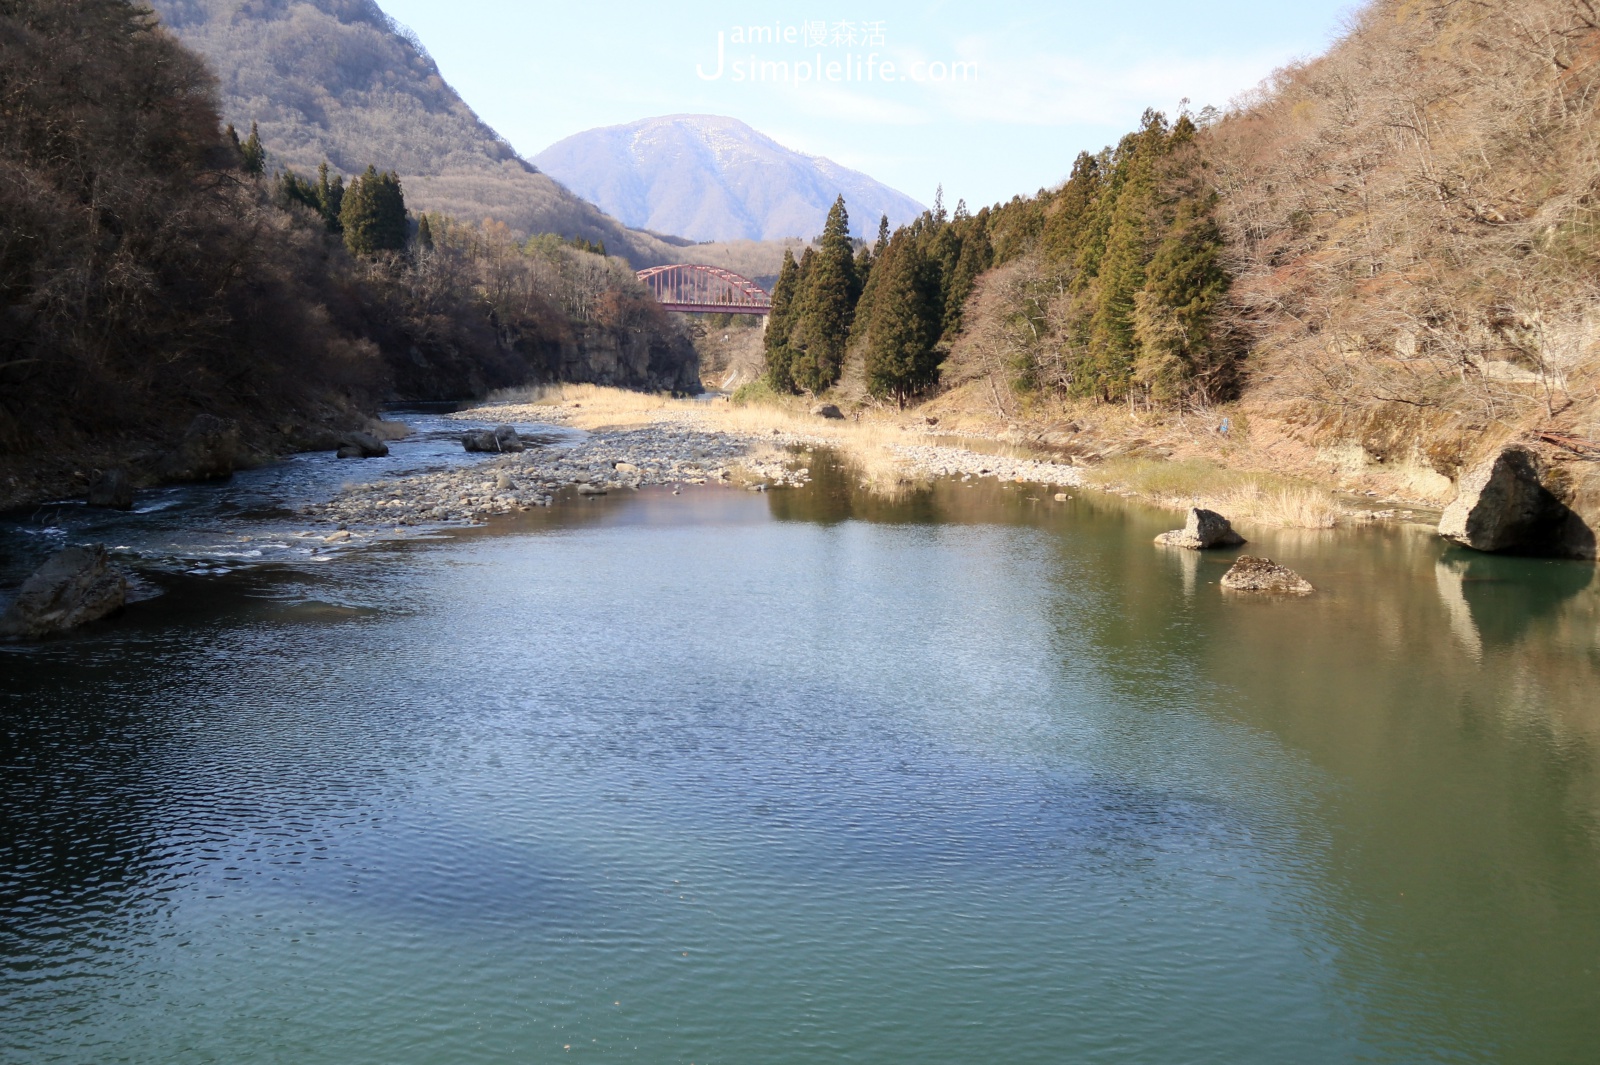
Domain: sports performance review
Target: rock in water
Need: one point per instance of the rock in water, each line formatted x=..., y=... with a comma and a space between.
x=208, y=451
x=1201, y=530
x=827, y=410
x=359, y=445
x=1251, y=574
x=75, y=587
x=112, y=488
x=387, y=430
x=502, y=439
x=1505, y=504
x=507, y=439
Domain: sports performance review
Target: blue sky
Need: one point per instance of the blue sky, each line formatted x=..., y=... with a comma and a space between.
x=991, y=99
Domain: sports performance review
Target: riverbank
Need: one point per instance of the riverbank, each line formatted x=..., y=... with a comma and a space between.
x=634, y=440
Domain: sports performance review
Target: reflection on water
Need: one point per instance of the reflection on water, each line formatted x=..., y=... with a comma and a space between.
x=970, y=774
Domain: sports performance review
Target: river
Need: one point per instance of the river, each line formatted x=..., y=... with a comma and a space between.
x=808, y=775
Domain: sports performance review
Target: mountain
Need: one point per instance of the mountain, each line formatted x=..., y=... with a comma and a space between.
x=712, y=178
x=339, y=80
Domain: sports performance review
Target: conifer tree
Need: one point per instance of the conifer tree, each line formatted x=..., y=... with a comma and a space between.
x=901, y=359
x=253, y=154
x=976, y=256
x=779, y=321
x=373, y=213
x=424, y=234
x=827, y=306
x=1072, y=209
x=1173, y=317
x=1112, y=344
x=330, y=197
x=883, y=238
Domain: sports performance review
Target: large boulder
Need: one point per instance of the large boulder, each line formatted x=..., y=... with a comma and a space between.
x=209, y=451
x=386, y=430
x=361, y=445
x=1507, y=504
x=502, y=439
x=73, y=588
x=1251, y=574
x=113, y=489
x=827, y=410
x=1202, y=529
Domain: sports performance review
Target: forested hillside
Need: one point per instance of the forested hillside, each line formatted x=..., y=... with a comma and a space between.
x=338, y=81
x=1412, y=224
x=151, y=271
x=1383, y=260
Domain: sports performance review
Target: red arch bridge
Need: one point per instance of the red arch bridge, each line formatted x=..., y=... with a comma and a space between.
x=705, y=289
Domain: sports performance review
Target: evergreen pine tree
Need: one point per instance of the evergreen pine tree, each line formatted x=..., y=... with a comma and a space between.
x=253, y=154
x=976, y=256
x=1071, y=209
x=374, y=214
x=333, y=205
x=883, y=238
x=827, y=307
x=779, y=321
x=1112, y=344
x=424, y=234
x=901, y=359
x=1174, y=313
x=863, y=273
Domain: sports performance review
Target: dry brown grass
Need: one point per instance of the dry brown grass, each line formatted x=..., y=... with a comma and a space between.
x=867, y=445
x=1241, y=495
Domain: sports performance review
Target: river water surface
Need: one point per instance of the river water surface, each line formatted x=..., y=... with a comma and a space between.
x=802, y=776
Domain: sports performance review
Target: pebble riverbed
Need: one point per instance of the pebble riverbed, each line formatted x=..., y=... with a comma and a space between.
x=675, y=449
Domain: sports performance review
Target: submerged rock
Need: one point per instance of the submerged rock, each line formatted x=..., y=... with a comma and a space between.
x=209, y=451
x=1506, y=504
x=1201, y=530
x=1251, y=574
x=112, y=488
x=73, y=588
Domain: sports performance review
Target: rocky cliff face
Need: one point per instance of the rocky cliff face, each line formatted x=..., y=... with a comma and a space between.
x=625, y=359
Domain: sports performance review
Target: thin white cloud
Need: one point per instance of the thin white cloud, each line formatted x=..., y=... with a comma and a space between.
x=1014, y=87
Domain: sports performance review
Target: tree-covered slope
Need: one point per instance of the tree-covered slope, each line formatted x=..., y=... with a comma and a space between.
x=337, y=80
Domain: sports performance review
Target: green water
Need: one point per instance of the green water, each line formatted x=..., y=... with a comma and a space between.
x=725, y=777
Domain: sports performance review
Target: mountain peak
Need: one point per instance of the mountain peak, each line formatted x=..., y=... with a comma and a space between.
x=711, y=177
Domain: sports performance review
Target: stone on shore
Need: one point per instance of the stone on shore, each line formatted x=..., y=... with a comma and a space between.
x=1203, y=529
x=209, y=451
x=113, y=489
x=1506, y=504
x=1251, y=574
x=73, y=588
x=360, y=445
x=591, y=490
x=827, y=410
